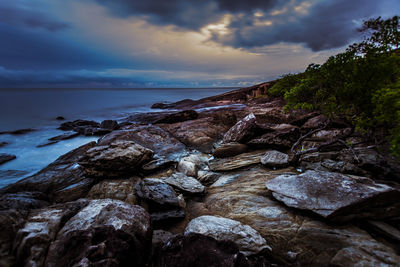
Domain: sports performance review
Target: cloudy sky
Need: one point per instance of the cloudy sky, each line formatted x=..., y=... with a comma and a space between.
x=175, y=43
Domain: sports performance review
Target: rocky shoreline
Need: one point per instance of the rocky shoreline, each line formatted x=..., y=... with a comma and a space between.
x=229, y=180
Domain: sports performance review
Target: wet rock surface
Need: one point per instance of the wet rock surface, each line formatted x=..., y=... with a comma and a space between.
x=336, y=196
x=185, y=184
x=6, y=157
x=155, y=190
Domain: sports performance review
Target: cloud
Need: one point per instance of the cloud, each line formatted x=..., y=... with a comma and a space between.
x=318, y=25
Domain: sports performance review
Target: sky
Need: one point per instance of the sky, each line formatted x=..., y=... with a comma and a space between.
x=175, y=43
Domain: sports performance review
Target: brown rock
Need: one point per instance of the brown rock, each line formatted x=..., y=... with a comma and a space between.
x=229, y=150
x=242, y=130
x=236, y=162
x=179, y=117
x=115, y=189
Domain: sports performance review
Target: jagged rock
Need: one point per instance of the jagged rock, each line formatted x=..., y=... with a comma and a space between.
x=207, y=178
x=41, y=227
x=116, y=159
x=179, y=117
x=105, y=232
x=152, y=137
x=242, y=131
x=59, y=175
x=114, y=189
x=229, y=150
x=109, y=125
x=294, y=238
x=275, y=158
x=200, y=250
x=185, y=184
x=6, y=157
x=155, y=190
x=236, y=162
x=248, y=240
x=315, y=122
x=200, y=134
x=64, y=136
x=336, y=196
x=279, y=139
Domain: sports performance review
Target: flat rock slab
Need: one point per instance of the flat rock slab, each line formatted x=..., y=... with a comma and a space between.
x=236, y=162
x=336, y=196
x=248, y=240
x=186, y=184
x=6, y=157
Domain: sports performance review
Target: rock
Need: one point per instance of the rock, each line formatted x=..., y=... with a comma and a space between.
x=315, y=122
x=200, y=250
x=207, y=178
x=48, y=143
x=19, y=132
x=229, y=150
x=179, y=117
x=105, y=232
x=275, y=158
x=109, y=125
x=200, y=134
x=114, y=189
x=278, y=139
x=74, y=191
x=327, y=135
x=60, y=118
x=89, y=131
x=236, y=162
x=336, y=196
x=248, y=240
x=151, y=137
x=3, y=144
x=120, y=158
x=242, y=130
x=164, y=105
x=157, y=165
x=41, y=227
x=295, y=238
x=64, y=136
x=185, y=184
x=23, y=201
x=225, y=179
x=156, y=191
x=6, y=157
x=170, y=215
x=59, y=175
x=77, y=125
x=299, y=120
x=187, y=167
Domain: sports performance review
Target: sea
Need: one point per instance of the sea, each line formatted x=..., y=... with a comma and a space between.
x=38, y=109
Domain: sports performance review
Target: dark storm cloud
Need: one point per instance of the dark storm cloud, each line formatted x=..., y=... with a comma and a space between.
x=189, y=14
x=27, y=18
x=326, y=24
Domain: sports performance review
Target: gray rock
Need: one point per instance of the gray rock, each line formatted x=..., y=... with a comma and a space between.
x=185, y=184
x=155, y=190
x=120, y=158
x=236, y=162
x=275, y=158
x=242, y=130
x=188, y=167
x=6, y=157
x=248, y=240
x=105, y=232
x=336, y=196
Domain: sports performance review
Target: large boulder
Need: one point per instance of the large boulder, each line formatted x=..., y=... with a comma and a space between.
x=120, y=158
x=248, y=240
x=294, y=237
x=185, y=184
x=336, y=196
x=236, y=162
x=151, y=137
x=105, y=232
x=242, y=131
x=115, y=189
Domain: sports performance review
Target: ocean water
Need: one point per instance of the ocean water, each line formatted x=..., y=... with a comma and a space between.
x=38, y=109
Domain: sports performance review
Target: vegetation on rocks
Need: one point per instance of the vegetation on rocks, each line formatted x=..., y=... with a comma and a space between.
x=362, y=84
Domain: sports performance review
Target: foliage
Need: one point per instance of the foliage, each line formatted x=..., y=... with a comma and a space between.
x=361, y=84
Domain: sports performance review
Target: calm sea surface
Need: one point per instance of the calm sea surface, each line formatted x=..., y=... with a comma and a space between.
x=38, y=108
